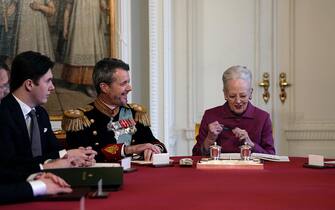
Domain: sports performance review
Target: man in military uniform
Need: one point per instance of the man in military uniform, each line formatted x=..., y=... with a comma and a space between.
x=111, y=126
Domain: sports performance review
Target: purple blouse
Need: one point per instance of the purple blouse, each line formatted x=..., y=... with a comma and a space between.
x=254, y=120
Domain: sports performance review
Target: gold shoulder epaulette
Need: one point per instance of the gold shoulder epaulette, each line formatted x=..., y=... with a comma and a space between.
x=141, y=114
x=75, y=120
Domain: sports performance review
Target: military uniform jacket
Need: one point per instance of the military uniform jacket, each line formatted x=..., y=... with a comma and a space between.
x=99, y=137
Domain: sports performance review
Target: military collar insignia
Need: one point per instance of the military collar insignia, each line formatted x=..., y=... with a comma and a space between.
x=101, y=106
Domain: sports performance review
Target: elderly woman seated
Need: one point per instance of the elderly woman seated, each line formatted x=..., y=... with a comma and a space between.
x=237, y=121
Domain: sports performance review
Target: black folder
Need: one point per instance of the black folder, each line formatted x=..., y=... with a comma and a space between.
x=112, y=177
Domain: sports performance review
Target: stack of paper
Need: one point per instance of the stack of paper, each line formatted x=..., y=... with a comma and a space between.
x=236, y=156
x=230, y=156
x=275, y=158
x=105, y=165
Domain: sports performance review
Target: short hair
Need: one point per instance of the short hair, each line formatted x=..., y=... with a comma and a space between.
x=28, y=65
x=4, y=66
x=4, y=58
x=104, y=70
x=236, y=72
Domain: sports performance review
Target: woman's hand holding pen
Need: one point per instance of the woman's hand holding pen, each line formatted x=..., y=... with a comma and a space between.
x=214, y=129
x=242, y=135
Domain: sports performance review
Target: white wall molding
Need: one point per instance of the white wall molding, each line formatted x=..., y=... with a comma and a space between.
x=310, y=130
x=169, y=109
x=191, y=69
x=154, y=65
x=264, y=60
x=311, y=138
x=308, y=135
x=190, y=134
x=124, y=33
x=257, y=69
x=161, y=73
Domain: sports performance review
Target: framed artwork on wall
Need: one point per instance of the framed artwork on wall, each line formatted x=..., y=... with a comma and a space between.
x=75, y=34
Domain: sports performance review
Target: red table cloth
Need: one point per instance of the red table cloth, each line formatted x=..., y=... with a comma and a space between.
x=278, y=186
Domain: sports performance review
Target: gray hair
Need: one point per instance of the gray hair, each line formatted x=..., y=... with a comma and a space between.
x=236, y=72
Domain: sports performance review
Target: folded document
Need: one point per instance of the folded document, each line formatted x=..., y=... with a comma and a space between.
x=236, y=156
x=276, y=158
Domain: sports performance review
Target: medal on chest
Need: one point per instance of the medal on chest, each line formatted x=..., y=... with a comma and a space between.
x=124, y=128
x=121, y=127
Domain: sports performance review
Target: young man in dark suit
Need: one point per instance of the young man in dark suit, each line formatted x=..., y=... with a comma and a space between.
x=27, y=143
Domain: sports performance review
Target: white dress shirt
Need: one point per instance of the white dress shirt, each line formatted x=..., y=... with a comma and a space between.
x=25, y=111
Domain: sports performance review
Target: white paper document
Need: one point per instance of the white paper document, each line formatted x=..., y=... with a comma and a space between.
x=230, y=156
x=315, y=160
x=237, y=156
x=125, y=163
x=276, y=158
x=161, y=159
x=105, y=165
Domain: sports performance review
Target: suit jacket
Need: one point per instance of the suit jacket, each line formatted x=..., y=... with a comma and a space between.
x=98, y=136
x=14, y=188
x=16, y=192
x=15, y=149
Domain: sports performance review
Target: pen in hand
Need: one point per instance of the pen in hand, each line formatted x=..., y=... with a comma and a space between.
x=225, y=128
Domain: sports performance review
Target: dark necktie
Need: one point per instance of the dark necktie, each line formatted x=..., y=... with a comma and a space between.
x=35, y=135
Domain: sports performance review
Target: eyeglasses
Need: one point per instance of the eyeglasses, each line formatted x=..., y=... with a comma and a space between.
x=4, y=86
x=238, y=98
